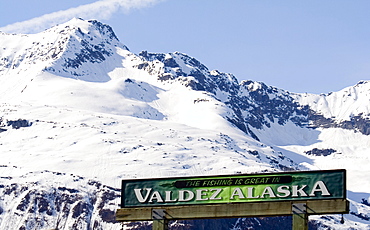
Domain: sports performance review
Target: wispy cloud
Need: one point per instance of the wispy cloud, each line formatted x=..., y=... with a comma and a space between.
x=99, y=10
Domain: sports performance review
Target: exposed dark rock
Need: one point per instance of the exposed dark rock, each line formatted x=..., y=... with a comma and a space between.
x=361, y=216
x=365, y=202
x=70, y=190
x=254, y=152
x=18, y=123
x=318, y=120
x=128, y=80
x=320, y=152
x=357, y=123
x=267, y=105
x=105, y=30
x=88, y=53
x=108, y=215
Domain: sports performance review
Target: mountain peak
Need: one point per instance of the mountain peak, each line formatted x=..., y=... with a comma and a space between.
x=363, y=82
x=84, y=43
x=88, y=29
x=77, y=49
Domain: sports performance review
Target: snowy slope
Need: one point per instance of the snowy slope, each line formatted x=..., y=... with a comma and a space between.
x=342, y=105
x=79, y=112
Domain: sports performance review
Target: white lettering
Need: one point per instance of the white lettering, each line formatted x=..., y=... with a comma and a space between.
x=140, y=197
x=250, y=193
x=215, y=194
x=168, y=197
x=319, y=186
x=144, y=195
x=156, y=196
x=182, y=195
x=296, y=190
x=237, y=192
x=284, y=190
x=268, y=191
x=200, y=193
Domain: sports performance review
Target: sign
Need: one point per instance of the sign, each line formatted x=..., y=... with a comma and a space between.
x=292, y=186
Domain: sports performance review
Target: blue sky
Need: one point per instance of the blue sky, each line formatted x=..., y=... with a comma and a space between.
x=315, y=46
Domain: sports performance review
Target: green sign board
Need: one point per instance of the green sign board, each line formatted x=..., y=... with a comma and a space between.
x=308, y=185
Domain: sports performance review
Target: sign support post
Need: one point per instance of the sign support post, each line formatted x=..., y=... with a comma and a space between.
x=160, y=225
x=300, y=217
x=159, y=220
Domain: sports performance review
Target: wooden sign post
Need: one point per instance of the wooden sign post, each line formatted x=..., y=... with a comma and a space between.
x=300, y=216
x=160, y=222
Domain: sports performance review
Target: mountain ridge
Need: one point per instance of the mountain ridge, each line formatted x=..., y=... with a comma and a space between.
x=85, y=105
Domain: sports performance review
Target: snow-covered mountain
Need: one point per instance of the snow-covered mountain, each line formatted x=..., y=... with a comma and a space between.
x=80, y=112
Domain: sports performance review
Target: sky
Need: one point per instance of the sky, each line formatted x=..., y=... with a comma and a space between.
x=311, y=46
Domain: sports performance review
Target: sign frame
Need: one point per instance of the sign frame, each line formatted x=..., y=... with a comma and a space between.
x=230, y=181
x=234, y=210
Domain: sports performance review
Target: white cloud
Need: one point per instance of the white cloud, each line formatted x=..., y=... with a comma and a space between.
x=99, y=10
